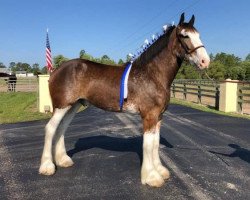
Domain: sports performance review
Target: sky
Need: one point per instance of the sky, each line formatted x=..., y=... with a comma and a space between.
x=114, y=27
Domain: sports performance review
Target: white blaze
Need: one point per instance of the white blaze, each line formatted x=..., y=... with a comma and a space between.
x=199, y=57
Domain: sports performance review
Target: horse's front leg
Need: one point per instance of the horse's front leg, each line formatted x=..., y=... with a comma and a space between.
x=149, y=173
x=156, y=158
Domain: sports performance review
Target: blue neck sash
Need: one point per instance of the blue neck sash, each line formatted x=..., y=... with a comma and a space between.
x=124, y=84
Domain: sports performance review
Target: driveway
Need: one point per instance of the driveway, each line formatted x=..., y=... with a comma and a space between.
x=208, y=156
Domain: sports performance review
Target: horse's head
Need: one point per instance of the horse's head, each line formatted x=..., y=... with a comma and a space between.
x=190, y=44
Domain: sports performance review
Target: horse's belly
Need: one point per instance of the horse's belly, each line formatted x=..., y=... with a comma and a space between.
x=130, y=107
x=105, y=102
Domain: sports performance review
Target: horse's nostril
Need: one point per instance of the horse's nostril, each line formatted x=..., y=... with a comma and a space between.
x=203, y=61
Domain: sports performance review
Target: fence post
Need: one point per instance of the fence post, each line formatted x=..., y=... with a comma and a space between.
x=45, y=104
x=184, y=91
x=217, y=97
x=173, y=90
x=228, y=96
x=29, y=85
x=199, y=94
x=240, y=101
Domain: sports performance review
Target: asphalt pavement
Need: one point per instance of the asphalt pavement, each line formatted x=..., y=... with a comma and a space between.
x=208, y=156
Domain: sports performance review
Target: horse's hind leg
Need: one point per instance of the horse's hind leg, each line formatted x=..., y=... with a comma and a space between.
x=61, y=157
x=47, y=166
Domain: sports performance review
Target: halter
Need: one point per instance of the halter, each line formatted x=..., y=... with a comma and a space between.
x=188, y=51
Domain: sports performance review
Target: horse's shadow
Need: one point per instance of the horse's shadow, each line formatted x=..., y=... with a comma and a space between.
x=242, y=153
x=133, y=144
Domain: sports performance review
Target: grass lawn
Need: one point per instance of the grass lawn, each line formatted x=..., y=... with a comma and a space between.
x=22, y=106
x=19, y=107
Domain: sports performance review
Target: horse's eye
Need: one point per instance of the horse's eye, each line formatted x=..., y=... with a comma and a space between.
x=184, y=36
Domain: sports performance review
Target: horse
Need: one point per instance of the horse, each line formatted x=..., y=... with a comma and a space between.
x=10, y=80
x=80, y=82
x=12, y=83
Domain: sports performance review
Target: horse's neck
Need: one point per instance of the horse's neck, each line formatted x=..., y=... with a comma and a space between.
x=166, y=64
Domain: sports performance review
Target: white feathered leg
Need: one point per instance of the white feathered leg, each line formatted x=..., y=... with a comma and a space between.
x=47, y=166
x=149, y=175
x=61, y=157
x=163, y=171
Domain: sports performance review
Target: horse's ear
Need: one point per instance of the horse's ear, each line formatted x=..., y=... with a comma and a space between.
x=182, y=19
x=191, y=22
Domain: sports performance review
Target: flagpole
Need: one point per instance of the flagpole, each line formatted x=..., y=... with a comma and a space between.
x=47, y=35
x=47, y=31
x=48, y=54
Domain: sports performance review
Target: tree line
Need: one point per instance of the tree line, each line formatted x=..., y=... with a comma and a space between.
x=57, y=61
x=222, y=66
x=20, y=66
x=105, y=59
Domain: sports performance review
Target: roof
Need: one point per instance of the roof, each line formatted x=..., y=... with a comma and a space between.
x=5, y=70
x=21, y=72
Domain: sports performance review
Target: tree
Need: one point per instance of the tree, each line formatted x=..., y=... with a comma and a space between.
x=180, y=74
x=211, y=56
x=227, y=66
x=246, y=66
x=36, y=69
x=247, y=57
x=2, y=65
x=247, y=75
x=106, y=60
x=105, y=57
x=12, y=64
x=120, y=62
x=191, y=72
x=128, y=58
x=188, y=71
x=236, y=73
x=44, y=70
x=82, y=53
x=58, y=60
x=216, y=71
x=228, y=60
x=241, y=73
x=21, y=67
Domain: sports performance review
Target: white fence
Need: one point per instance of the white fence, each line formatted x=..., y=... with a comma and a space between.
x=25, y=84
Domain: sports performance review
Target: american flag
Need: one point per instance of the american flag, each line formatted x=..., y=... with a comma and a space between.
x=48, y=54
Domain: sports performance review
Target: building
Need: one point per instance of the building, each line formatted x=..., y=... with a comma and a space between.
x=5, y=70
x=21, y=74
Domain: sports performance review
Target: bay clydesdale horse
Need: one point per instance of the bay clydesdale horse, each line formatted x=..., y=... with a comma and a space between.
x=80, y=81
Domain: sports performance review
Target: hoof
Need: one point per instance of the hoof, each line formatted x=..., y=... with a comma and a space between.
x=163, y=171
x=47, y=168
x=154, y=179
x=64, y=161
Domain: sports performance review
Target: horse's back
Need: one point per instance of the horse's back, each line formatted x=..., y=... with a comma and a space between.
x=82, y=79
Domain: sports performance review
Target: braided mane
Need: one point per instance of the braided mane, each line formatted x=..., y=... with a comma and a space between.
x=155, y=48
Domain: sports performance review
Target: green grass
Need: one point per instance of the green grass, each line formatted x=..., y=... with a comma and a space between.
x=206, y=108
x=19, y=107
x=22, y=106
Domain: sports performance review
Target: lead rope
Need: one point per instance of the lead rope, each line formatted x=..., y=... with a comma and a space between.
x=211, y=79
x=217, y=90
x=205, y=72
